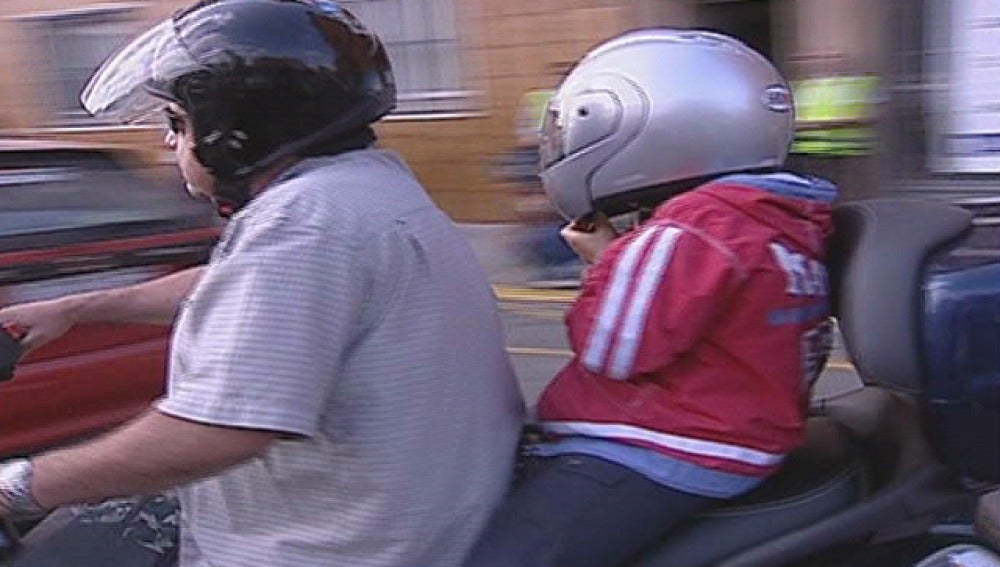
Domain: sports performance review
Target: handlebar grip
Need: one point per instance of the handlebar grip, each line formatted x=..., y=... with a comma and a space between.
x=9, y=541
x=11, y=350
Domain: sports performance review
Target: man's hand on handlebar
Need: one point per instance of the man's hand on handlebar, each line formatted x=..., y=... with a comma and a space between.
x=37, y=323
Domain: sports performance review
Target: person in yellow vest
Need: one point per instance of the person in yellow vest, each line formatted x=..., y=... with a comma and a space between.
x=835, y=129
x=835, y=115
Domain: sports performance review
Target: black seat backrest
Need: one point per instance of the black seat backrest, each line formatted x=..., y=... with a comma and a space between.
x=877, y=256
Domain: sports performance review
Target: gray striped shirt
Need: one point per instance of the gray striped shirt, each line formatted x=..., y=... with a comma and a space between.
x=343, y=308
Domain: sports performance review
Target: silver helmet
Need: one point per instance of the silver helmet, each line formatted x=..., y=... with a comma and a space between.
x=643, y=115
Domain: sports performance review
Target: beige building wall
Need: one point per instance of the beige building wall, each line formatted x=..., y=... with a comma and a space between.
x=509, y=47
x=839, y=36
x=836, y=37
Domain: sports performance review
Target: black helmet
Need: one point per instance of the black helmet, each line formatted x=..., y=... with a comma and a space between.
x=260, y=80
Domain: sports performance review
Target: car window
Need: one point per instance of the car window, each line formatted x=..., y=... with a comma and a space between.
x=58, y=197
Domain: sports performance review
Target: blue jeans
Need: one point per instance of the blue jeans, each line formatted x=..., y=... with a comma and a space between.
x=581, y=511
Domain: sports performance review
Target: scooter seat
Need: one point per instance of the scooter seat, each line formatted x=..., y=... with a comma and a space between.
x=820, y=478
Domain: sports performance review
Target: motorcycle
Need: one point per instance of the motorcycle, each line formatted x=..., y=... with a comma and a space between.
x=890, y=473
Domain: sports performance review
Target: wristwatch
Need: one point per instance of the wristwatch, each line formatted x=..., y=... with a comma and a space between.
x=15, y=489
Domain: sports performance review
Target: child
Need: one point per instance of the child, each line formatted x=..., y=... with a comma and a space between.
x=697, y=334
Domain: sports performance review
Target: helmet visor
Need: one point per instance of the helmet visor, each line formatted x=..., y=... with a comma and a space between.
x=551, y=147
x=132, y=83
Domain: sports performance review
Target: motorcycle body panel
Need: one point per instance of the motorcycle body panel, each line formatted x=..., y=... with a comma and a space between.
x=961, y=342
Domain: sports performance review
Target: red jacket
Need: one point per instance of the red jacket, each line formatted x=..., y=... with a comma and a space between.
x=698, y=334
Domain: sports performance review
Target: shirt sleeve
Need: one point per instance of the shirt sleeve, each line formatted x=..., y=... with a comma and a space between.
x=261, y=338
x=662, y=290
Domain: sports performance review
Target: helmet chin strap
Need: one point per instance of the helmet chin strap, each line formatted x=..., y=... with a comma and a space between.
x=223, y=207
x=224, y=210
x=230, y=197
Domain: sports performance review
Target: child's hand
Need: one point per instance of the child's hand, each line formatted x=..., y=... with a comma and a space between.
x=588, y=236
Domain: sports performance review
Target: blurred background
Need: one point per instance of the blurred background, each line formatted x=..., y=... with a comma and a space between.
x=894, y=96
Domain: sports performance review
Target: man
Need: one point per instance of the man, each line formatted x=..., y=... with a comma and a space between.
x=697, y=334
x=338, y=392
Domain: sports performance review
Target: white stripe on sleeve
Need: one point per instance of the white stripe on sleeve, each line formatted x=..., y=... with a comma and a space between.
x=651, y=274
x=599, y=342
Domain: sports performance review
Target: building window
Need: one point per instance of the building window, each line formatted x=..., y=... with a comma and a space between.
x=946, y=107
x=963, y=56
x=422, y=39
x=70, y=45
x=420, y=35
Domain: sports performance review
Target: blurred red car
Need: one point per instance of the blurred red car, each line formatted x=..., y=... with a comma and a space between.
x=74, y=218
